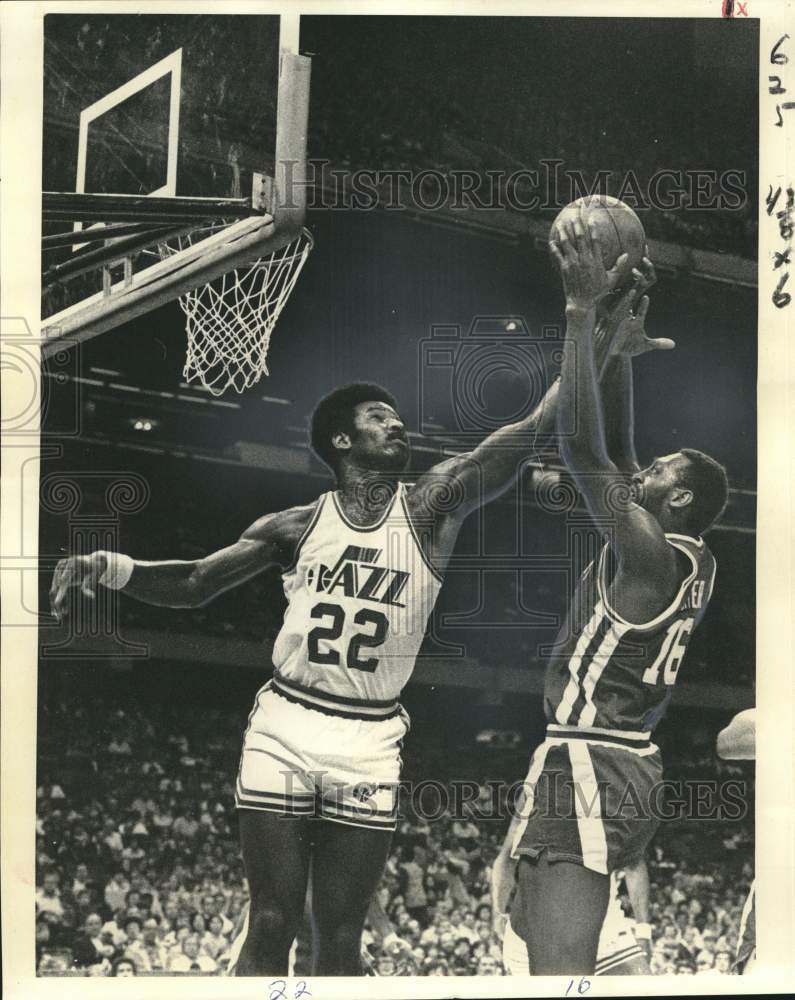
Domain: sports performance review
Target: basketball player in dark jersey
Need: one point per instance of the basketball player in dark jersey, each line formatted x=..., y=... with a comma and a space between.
x=590, y=791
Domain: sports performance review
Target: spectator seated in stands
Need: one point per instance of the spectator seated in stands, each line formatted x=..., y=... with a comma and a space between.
x=191, y=959
x=215, y=942
x=48, y=897
x=123, y=967
x=92, y=946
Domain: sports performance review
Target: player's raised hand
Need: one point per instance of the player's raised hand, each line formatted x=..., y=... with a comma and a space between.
x=645, y=276
x=630, y=338
x=614, y=314
x=577, y=251
x=75, y=572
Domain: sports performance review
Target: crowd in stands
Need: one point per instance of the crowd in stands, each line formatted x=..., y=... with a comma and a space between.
x=138, y=867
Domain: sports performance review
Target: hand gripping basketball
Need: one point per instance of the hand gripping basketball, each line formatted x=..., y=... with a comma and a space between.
x=577, y=251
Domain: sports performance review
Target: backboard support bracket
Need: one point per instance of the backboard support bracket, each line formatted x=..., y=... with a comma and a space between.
x=262, y=193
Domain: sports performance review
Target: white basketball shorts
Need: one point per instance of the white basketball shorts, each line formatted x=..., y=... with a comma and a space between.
x=302, y=757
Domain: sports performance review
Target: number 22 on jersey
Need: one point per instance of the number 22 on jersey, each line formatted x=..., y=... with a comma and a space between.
x=332, y=632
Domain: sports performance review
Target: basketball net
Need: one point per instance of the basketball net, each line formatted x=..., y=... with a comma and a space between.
x=230, y=320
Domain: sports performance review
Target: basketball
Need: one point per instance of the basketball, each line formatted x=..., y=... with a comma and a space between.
x=619, y=228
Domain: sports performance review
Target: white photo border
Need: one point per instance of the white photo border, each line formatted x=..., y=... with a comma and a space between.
x=21, y=53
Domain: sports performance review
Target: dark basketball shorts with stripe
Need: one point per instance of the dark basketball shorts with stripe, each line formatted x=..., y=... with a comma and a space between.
x=305, y=754
x=590, y=799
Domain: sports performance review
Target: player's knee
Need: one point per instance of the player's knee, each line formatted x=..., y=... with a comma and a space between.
x=268, y=923
x=566, y=949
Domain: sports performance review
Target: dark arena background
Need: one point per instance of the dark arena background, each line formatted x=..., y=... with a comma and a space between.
x=141, y=710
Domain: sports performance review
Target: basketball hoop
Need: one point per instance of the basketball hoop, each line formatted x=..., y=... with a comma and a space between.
x=229, y=320
x=231, y=261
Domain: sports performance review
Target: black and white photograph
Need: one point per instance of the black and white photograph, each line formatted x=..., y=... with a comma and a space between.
x=396, y=430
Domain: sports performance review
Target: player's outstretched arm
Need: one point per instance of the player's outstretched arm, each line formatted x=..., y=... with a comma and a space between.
x=493, y=466
x=635, y=536
x=626, y=333
x=619, y=417
x=182, y=584
x=738, y=740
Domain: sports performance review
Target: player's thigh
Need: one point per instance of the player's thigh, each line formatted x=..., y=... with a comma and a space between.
x=558, y=909
x=347, y=864
x=276, y=852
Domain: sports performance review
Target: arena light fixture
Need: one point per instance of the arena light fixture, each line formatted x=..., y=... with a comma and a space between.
x=143, y=424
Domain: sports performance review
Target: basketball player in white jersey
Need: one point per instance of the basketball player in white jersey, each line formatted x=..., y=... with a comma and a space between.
x=362, y=566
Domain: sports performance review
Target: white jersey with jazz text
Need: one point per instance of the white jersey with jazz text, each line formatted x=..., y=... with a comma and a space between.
x=358, y=602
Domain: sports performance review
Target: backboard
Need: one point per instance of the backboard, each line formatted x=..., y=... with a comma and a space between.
x=199, y=115
x=128, y=98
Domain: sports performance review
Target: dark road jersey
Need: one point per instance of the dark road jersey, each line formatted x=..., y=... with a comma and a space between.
x=608, y=673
